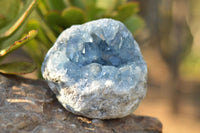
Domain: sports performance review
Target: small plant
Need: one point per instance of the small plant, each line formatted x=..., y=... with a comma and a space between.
x=11, y=28
x=51, y=17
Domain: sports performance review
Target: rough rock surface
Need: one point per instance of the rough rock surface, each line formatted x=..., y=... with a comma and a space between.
x=97, y=70
x=29, y=106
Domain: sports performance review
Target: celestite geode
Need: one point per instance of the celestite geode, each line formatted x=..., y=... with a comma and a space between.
x=96, y=70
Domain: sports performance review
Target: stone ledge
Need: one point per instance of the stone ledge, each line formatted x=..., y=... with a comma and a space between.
x=30, y=106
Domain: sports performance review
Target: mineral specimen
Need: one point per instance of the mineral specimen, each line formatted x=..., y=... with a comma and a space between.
x=96, y=70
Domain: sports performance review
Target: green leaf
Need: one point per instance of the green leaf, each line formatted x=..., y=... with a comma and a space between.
x=42, y=8
x=56, y=22
x=18, y=43
x=76, y=3
x=73, y=16
x=89, y=3
x=2, y=20
x=127, y=10
x=134, y=23
x=92, y=11
x=10, y=9
x=20, y=19
x=14, y=37
x=119, y=3
x=105, y=4
x=35, y=51
x=41, y=36
x=108, y=5
x=17, y=68
x=95, y=13
x=48, y=31
x=55, y=18
x=14, y=9
x=57, y=5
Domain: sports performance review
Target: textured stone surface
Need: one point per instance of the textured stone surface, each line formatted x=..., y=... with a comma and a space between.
x=29, y=106
x=97, y=70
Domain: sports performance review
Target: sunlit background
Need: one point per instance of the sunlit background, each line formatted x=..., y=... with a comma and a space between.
x=170, y=46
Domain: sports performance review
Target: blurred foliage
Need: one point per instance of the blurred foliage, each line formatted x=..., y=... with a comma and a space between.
x=52, y=17
x=12, y=22
x=168, y=29
x=169, y=32
x=190, y=68
x=176, y=37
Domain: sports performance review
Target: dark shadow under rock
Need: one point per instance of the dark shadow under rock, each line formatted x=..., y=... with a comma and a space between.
x=30, y=106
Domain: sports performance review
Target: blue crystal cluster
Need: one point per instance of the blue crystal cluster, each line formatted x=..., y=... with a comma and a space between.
x=97, y=70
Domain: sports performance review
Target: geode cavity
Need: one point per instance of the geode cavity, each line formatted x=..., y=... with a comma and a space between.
x=96, y=70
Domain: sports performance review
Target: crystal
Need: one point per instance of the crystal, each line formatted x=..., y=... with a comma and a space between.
x=96, y=70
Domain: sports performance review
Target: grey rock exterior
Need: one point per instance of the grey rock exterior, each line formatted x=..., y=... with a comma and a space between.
x=29, y=106
x=97, y=70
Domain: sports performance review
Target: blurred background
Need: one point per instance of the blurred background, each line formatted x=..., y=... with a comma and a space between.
x=168, y=32
x=170, y=46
